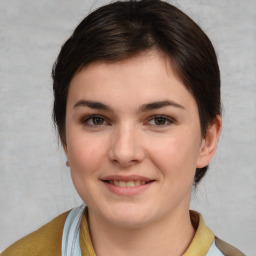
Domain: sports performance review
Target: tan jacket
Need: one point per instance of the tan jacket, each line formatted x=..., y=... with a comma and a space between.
x=47, y=240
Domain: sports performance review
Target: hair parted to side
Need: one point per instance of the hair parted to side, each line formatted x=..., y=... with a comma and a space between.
x=123, y=29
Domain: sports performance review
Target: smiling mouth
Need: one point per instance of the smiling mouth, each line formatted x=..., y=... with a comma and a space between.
x=131, y=183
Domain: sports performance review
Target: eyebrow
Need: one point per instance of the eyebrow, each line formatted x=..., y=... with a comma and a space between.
x=92, y=104
x=143, y=108
x=159, y=104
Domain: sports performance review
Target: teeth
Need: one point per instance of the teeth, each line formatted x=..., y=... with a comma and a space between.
x=137, y=183
x=122, y=184
x=131, y=183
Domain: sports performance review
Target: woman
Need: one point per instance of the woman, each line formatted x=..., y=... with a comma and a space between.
x=137, y=107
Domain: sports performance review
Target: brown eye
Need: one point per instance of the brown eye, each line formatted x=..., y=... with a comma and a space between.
x=160, y=120
x=94, y=120
x=97, y=121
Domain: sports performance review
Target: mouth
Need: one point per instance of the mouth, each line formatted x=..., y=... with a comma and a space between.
x=128, y=184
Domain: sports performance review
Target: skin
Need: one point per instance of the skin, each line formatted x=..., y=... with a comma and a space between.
x=126, y=139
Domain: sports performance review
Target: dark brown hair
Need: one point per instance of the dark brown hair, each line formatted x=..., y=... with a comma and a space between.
x=124, y=29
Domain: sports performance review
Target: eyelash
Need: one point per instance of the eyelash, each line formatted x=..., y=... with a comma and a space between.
x=164, y=118
x=86, y=120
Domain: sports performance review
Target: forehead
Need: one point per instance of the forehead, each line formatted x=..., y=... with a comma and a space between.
x=149, y=76
x=141, y=59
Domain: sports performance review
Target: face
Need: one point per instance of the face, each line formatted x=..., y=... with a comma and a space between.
x=133, y=140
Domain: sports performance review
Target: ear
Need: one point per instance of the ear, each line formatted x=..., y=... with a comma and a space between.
x=65, y=148
x=209, y=143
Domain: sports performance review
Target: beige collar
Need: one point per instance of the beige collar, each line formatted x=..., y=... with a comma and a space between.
x=199, y=246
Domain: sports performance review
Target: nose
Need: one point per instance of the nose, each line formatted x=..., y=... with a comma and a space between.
x=126, y=146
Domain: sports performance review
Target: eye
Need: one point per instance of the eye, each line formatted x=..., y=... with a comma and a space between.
x=160, y=120
x=94, y=120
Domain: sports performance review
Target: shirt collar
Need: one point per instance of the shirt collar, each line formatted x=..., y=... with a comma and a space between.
x=202, y=239
x=199, y=246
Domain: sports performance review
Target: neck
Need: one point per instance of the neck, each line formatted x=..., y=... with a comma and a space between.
x=169, y=236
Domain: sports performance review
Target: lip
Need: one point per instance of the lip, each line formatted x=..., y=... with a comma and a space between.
x=127, y=191
x=126, y=178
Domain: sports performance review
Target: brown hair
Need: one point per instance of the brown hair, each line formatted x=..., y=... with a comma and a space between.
x=123, y=29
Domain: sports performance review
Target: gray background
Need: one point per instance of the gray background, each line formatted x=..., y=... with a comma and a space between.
x=35, y=185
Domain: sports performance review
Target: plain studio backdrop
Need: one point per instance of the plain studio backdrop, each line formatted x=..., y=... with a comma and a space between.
x=35, y=184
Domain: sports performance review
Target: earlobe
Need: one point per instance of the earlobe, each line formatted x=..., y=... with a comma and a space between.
x=209, y=143
x=65, y=148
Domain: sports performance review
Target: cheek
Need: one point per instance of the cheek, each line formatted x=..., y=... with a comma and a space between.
x=176, y=163
x=176, y=156
x=85, y=154
x=86, y=157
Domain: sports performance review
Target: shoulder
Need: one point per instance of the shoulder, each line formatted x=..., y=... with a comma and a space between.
x=227, y=249
x=206, y=243
x=44, y=241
